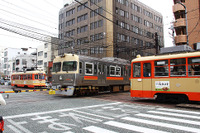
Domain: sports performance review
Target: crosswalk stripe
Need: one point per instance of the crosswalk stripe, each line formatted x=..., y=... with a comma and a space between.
x=132, y=127
x=93, y=114
x=161, y=124
x=169, y=119
x=174, y=114
x=179, y=111
x=95, y=129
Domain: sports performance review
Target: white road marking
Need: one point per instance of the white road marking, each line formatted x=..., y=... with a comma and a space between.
x=132, y=127
x=95, y=129
x=161, y=124
x=100, y=116
x=174, y=114
x=169, y=119
x=179, y=111
x=57, y=111
x=19, y=125
x=14, y=129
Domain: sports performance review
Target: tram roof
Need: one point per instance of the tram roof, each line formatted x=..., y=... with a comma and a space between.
x=105, y=59
x=168, y=56
x=29, y=72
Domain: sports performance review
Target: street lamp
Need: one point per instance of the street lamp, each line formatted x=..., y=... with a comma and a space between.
x=36, y=55
x=179, y=2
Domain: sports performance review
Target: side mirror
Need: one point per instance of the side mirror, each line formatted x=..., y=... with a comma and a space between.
x=2, y=101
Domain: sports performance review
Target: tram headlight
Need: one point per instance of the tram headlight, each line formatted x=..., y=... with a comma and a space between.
x=60, y=77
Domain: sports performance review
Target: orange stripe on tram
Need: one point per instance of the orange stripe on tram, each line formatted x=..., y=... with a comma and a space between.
x=90, y=78
x=114, y=78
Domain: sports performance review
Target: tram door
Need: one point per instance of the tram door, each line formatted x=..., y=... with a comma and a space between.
x=147, y=79
x=101, y=74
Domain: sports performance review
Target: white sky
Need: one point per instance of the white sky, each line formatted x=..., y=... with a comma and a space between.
x=43, y=15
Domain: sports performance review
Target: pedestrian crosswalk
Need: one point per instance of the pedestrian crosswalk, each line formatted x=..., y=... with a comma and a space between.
x=160, y=120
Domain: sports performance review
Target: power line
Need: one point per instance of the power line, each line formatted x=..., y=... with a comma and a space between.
x=26, y=27
x=28, y=19
x=25, y=10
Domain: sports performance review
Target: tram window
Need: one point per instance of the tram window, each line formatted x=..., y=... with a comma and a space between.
x=80, y=67
x=136, y=70
x=147, y=69
x=99, y=69
x=24, y=77
x=194, y=66
x=122, y=71
x=41, y=76
x=89, y=68
x=161, y=68
x=112, y=71
x=118, y=71
x=95, y=68
x=56, y=67
x=36, y=76
x=69, y=66
x=103, y=69
x=178, y=67
x=29, y=76
x=108, y=70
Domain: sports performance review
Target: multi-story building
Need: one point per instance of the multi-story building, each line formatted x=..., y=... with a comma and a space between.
x=109, y=28
x=24, y=62
x=9, y=55
x=189, y=9
x=46, y=53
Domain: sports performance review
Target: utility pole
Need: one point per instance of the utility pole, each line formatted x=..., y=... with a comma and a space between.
x=157, y=47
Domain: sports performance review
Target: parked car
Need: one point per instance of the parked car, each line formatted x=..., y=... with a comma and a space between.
x=7, y=82
x=2, y=81
x=2, y=102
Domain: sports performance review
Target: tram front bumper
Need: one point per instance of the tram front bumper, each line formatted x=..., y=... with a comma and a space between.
x=69, y=91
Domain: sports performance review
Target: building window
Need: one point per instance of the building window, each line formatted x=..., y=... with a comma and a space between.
x=70, y=22
x=23, y=62
x=82, y=29
x=148, y=24
x=17, y=62
x=81, y=7
x=70, y=12
x=6, y=53
x=96, y=24
x=40, y=53
x=40, y=62
x=45, y=55
x=96, y=12
x=45, y=45
x=45, y=64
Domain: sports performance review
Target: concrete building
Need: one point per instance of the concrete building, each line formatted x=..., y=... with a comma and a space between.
x=9, y=55
x=189, y=26
x=24, y=62
x=46, y=53
x=109, y=28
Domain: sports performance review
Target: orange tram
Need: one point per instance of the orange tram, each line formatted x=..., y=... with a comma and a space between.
x=29, y=79
x=172, y=77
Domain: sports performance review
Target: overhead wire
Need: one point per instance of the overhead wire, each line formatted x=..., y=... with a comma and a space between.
x=28, y=19
x=29, y=11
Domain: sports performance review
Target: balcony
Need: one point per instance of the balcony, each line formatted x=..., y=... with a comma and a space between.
x=180, y=23
x=178, y=7
x=181, y=39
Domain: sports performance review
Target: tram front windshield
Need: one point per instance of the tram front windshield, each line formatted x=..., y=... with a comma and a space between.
x=57, y=67
x=69, y=66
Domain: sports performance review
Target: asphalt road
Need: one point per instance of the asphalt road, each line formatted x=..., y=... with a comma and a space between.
x=38, y=112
